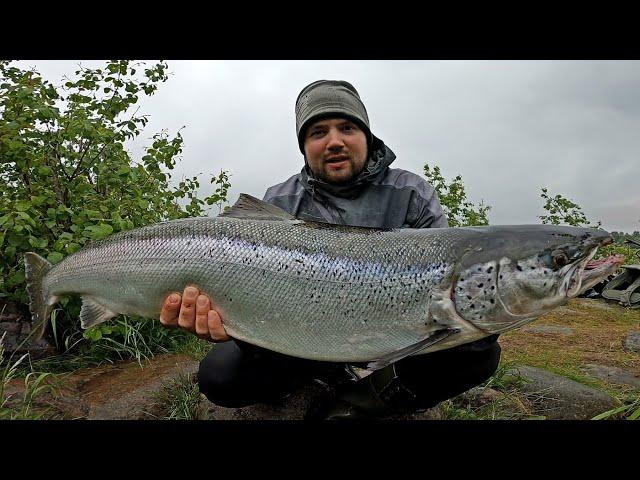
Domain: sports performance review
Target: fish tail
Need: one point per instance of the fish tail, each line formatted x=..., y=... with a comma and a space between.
x=40, y=304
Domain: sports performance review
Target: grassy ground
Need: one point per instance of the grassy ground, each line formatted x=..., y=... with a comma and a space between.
x=122, y=339
x=599, y=329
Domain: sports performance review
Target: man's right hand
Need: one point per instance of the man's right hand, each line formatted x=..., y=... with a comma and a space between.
x=193, y=312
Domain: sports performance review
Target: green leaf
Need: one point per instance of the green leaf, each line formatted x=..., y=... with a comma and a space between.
x=93, y=214
x=16, y=279
x=55, y=257
x=94, y=334
x=14, y=238
x=96, y=232
x=10, y=252
x=22, y=206
x=38, y=242
x=72, y=247
x=26, y=218
x=38, y=200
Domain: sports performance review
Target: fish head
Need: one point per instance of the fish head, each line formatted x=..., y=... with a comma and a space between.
x=511, y=275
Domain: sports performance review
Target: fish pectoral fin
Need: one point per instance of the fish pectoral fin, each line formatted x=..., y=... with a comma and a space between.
x=432, y=339
x=92, y=313
x=252, y=208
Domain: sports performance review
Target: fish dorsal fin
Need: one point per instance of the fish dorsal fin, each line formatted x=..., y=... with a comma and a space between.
x=92, y=313
x=251, y=208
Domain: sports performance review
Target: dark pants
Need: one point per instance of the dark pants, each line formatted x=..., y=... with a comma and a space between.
x=237, y=374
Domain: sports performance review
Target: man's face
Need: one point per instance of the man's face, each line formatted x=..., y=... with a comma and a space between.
x=336, y=149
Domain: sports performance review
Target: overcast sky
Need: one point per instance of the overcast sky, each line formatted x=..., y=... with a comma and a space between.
x=508, y=127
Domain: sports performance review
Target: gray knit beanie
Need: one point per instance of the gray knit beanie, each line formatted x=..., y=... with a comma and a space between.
x=327, y=98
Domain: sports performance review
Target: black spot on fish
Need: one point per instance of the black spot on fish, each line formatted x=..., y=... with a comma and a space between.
x=480, y=285
x=489, y=269
x=492, y=301
x=518, y=267
x=469, y=297
x=473, y=306
x=493, y=287
x=533, y=268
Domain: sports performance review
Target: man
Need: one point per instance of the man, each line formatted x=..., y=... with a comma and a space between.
x=346, y=180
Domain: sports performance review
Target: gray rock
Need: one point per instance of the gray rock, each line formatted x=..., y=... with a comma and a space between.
x=506, y=403
x=552, y=329
x=613, y=374
x=632, y=342
x=560, y=398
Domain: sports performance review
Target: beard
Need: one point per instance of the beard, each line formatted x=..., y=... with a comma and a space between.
x=338, y=177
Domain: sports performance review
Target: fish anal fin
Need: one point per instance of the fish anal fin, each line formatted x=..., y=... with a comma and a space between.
x=251, y=208
x=92, y=312
x=432, y=339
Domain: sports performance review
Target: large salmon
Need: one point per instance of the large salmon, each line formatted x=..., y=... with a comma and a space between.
x=327, y=292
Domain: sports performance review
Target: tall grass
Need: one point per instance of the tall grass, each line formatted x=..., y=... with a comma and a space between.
x=180, y=399
x=629, y=411
x=35, y=385
x=123, y=338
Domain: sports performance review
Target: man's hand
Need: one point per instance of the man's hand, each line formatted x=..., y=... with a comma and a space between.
x=195, y=314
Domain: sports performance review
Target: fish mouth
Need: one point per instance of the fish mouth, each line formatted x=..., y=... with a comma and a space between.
x=596, y=271
x=588, y=272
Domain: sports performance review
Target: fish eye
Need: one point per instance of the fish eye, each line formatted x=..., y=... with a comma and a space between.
x=559, y=259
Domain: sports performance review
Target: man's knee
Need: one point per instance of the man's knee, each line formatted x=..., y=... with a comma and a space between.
x=236, y=374
x=447, y=373
x=488, y=364
x=220, y=376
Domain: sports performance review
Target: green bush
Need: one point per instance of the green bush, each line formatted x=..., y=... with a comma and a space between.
x=459, y=211
x=66, y=178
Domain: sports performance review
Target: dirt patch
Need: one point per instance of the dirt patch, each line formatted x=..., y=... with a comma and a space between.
x=121, y=391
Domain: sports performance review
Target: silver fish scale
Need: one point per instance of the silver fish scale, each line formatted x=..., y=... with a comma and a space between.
x=315, y=292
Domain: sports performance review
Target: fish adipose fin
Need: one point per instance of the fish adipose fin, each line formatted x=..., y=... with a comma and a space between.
x=251, y=208
x=432, y=339
x=92, y=313
x=35, y=269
